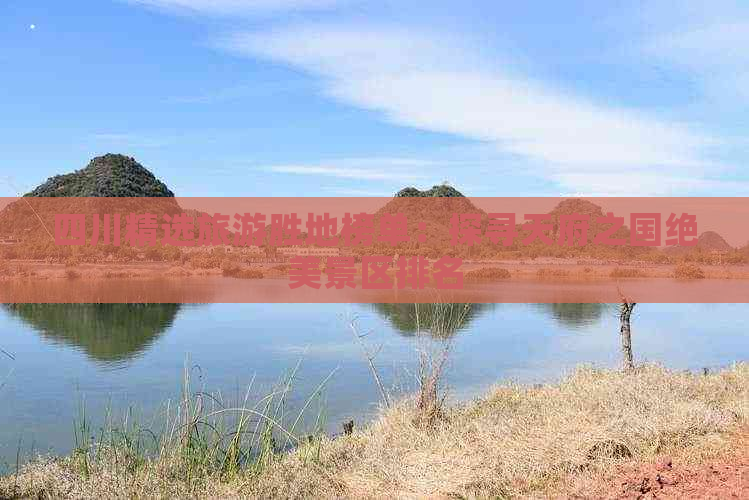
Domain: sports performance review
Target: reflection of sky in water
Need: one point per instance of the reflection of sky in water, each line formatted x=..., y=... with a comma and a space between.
x=58, y=364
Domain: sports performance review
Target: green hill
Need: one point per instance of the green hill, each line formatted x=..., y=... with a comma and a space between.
x=441, y=191
x=109, y=184
x=111, y=175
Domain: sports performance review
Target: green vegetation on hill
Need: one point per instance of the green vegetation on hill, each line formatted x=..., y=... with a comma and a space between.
x=111, y=175
x=103, y=179
x=708, y=242
x=441, y=191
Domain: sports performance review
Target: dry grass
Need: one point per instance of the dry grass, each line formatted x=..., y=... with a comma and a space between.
x=626, y=272
x=688, y=271
x=115, y=274
x=209, y=259
x=488, y=274
x=71, y=261
x=234, y=270
x=177, y=272
x=518, y=441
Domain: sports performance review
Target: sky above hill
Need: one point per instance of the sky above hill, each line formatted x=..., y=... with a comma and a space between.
x=360, y=98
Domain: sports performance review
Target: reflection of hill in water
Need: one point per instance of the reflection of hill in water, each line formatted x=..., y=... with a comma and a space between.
x=575, y=315
x=107, y=333
x=439, y=320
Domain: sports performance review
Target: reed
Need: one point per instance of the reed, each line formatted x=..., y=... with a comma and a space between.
x=200, y=438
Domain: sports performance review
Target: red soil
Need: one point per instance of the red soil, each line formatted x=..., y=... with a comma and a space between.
x=722, y=478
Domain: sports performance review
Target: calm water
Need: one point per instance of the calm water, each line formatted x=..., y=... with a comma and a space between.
x=118, y=355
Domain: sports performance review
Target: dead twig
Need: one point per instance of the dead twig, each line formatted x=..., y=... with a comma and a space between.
x=370, y=359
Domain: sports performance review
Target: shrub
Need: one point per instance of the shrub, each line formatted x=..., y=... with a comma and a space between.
x=206, y=260
x=117, y=274
x=626, y=272
x=71, y=261
x=234, y=270
x=229, y=268
x=177, y=271
x=249, y=274
x=688, y=271
x=488, y=274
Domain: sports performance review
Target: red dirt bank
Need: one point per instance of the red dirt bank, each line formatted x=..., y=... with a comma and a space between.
x=725, y=477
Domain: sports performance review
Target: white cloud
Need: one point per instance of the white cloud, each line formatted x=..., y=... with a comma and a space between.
x=231, y=7
x=427, y=82
x=345, y=172
x=393, y=169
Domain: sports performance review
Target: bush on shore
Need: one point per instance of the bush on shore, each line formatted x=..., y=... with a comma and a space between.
x=626, y=272
x=488, y=274
x=688, y=271
x=235, y=270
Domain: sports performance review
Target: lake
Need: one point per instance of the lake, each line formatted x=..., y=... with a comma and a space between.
x=119, y=356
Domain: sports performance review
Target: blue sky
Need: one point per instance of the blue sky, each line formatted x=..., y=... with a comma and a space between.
x=353, y=97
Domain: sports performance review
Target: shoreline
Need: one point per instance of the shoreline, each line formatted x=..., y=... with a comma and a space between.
x=530, y=269
x=484, y=282
x=516, y=441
